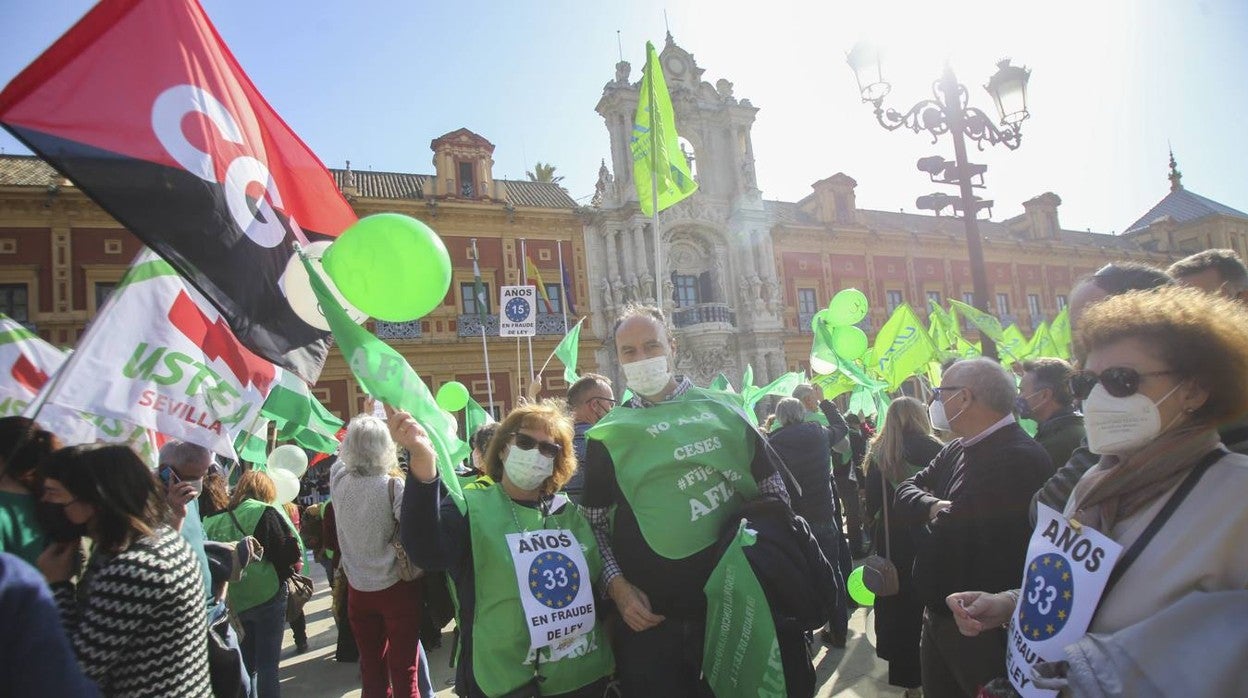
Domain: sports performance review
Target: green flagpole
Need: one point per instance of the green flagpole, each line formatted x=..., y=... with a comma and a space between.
x=654, y=190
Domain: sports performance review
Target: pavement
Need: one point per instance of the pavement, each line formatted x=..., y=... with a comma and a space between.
x=853, y=672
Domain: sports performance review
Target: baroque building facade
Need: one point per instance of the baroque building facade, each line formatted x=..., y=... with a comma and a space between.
x=746, y=274
x=60, y=256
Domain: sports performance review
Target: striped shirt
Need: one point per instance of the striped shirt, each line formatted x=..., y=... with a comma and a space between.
x=137, y=620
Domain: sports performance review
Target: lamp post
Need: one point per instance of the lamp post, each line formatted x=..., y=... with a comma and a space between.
x=950, y=112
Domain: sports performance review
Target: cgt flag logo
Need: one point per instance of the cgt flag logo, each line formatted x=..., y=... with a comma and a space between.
x=177, y=144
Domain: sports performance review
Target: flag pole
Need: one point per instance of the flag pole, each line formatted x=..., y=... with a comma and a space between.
x=524, y=266
x=654, y=195
x=489, y=379
x=485, y=352
x=563, y=289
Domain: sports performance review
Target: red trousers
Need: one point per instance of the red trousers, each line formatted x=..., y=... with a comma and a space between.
x=386, y=624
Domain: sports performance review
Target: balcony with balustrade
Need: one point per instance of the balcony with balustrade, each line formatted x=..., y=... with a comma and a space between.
x=704, y=314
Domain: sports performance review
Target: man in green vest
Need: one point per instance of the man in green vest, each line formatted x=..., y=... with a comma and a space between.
x=674, y=464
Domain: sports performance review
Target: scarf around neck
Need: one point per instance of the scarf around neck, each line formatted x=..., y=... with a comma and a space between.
x=1117, y=487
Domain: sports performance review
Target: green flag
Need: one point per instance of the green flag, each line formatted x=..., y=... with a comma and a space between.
x=966, y=350
x=988, y=325
x=299, y=416
x=475, y=417
x=741, y=655
x=478, y=288
x=386, y=376
x=720, y=382
x=1013, y=343
x=943, y=329
x=902, y=348
x=1042, y=344
x=660, y=170
x=834, y=384
x=1061, y=334
x=783, y=386
x=567, y=350
x=252, y=443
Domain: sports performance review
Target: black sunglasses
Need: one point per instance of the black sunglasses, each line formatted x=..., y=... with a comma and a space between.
x=1119, y=381
x=524, y=442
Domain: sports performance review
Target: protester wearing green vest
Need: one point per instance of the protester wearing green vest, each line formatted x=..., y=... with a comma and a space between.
x=259, y=598
x=674, y=464
x=523, y=559
x=22, y=446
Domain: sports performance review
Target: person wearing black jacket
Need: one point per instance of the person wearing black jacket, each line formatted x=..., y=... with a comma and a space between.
x=974, y=498
x=805, y=448
x=903, y=446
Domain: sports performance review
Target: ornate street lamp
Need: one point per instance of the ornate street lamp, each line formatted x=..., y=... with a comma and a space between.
x=950, y=112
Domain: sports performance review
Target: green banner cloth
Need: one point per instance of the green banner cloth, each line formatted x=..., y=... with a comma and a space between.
x=741, y=655
x=988, y=325
x=386, y=376
x=657, y=159
x=902, y=348
x=567, y=351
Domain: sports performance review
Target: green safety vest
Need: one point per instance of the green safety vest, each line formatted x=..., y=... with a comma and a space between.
x=259, y=581
x=500, y=639
x=684, y=467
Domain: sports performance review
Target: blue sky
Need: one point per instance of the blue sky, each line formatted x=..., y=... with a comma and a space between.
x=1112, y=82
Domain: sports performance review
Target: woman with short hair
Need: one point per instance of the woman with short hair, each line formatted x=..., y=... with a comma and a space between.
x=498, y=530
x=903, y=446
x=136, y=619
x=383, y=609
x=1163, y=369
x=259, y=597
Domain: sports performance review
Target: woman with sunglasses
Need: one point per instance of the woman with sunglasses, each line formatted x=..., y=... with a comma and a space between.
x=522, y=557
x=1163, y=370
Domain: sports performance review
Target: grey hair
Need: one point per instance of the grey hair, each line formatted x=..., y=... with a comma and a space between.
x=182, y=452
x=789, y=411
x=988, y=381
x=367, y=449
x=803, y=391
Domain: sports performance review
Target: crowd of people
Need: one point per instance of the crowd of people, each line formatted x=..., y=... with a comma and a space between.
x=575, y=549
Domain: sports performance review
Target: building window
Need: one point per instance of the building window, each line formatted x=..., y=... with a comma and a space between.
x=1033, y=305
x=466, y=179
x=1061, y=302
x=13, y=302
x=969, y=298
x=555, y=293
x=934, y=297
x=894, y=299
x=807, y=306
x=103, y=289
x=468, y=298
x=686, y=290
x=1003, y=304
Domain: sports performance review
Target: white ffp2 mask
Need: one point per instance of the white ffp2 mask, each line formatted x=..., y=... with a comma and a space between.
x=527, y=469
x=1121, y=426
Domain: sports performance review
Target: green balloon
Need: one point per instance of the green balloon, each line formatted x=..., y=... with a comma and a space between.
x=849, y=342
x=848, y=307
x=452, y=396
x=391, y=266
x=858, y=591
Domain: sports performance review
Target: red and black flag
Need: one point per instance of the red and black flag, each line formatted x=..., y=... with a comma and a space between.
x=144, y=108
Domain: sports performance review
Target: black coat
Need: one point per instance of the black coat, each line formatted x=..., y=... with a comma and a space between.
x=805, y=450
x=898, y=618
x=980, y=542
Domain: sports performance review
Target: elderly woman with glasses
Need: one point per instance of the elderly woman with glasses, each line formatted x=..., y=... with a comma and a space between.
x=522, y=557
x=1163, y=370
